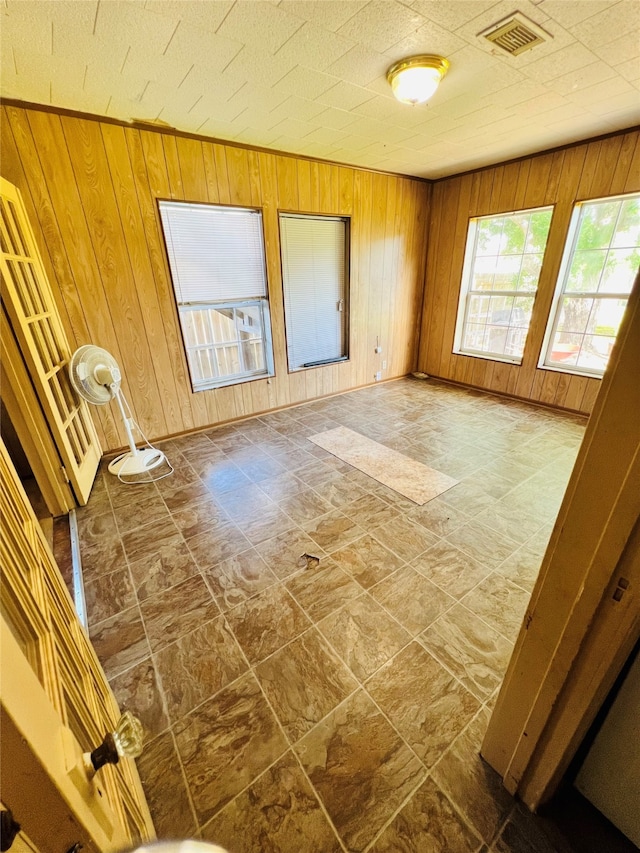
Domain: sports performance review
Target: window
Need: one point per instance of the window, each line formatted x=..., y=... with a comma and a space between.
x=599, y=265
x=499, y=283
x=216, y=256
x=314, y=278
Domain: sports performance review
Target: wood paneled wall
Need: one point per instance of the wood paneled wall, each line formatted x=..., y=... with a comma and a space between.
x=589, y=170
x=90, y=188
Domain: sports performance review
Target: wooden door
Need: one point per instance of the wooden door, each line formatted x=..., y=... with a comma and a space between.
x=55, y=702
x=36, y=324
x=583, y=619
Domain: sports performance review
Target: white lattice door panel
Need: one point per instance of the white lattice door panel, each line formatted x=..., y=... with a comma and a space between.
x=55, y=701
x=35, y=321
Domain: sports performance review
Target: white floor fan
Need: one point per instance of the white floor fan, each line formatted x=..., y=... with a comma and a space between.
x=95, y=376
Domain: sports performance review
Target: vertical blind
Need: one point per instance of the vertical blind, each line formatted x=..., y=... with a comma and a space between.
x=314, y=271
x=215, y=253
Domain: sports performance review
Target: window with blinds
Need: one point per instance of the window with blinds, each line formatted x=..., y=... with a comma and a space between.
x=216, y=257
x=315, y=264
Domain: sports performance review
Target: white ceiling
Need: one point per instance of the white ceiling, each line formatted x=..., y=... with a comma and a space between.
x=308, y=76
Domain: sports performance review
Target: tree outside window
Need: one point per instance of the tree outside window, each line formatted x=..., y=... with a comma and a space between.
x=500, y=278
x=600, y=263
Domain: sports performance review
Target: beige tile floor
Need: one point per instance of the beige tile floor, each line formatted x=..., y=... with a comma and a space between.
x=340, y=706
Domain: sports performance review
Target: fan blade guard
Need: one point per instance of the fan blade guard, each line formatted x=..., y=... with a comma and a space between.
x=94, y=374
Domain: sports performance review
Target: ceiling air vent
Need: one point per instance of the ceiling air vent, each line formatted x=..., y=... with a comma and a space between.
x=515, y=34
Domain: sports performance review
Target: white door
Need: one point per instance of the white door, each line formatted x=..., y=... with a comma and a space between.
x=36, y=324
x=55, y=702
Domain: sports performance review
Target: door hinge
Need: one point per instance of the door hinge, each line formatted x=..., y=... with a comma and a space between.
x=65, y=476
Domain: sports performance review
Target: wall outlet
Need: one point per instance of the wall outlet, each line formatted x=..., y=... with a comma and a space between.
x=378, y=376
x=384, y=365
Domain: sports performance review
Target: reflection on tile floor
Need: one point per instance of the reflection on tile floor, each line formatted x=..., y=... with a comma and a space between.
x=339, y=707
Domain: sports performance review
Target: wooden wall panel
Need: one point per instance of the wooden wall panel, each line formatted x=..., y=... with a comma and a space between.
x=587, y=170
x=91, y=189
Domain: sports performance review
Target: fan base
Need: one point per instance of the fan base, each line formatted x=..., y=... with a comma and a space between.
x=136, y=463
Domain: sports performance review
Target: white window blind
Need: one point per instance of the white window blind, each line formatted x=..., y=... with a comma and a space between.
x=215, y=253
x=216, y=256
x=314, y=270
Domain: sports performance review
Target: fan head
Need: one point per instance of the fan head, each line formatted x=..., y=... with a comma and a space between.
x=94, y=374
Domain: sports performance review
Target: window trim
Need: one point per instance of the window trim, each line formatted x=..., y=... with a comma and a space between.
x=553, y=317
x=347, y=219
x=264, y=301
x=465, y=290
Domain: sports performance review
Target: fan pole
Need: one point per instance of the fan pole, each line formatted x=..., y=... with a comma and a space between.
x=135, y=461
x=116, y=393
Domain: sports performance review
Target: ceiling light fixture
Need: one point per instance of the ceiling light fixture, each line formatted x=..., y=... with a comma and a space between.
x=416, y=78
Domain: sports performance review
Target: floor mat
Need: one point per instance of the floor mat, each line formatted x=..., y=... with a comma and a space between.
x=412, y=479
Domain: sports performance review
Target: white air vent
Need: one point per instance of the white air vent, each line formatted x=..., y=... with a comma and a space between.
x=515, y=34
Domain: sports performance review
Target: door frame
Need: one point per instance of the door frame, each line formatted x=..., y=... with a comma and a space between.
x=583, y=618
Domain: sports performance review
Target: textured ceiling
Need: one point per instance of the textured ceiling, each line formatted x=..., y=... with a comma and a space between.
x=308, y=76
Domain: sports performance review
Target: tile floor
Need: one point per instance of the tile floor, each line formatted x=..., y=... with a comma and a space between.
x=337, y=706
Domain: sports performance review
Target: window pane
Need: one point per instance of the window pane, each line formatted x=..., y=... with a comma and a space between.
x=628, y=227
x=505, y=321
x=606, y=316
x=496, y=339
x=530, y=272
x=489, y=236
x=228, y=360
x=566, y=348
x=478, y=309
x=473, y=336
x=484, y=273
x=594, y=352
x=501, y=308
x=574, y=314
x=619, y=271
x=507, y=272
x=216, y=256
x=602, y=255
x=538, y=230
x=514, y=235
x=222, y=323
x=506, y=261
x=586, y=269
x=597, y=223
x=586, y=332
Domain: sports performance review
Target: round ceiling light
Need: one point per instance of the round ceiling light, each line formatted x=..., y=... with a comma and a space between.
x=415, y=79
